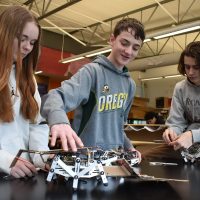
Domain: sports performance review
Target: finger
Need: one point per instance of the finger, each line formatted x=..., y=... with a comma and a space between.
x=167, y=137
x=53, y=138
x=19, y=173
x=64, y=145
x=73, y=139
x=78, y=140
x=170, y=136
x=72, y=144
x=175, y=145
x=173, y=136
x=28, y=168
x=64, y=141
x=14, y=173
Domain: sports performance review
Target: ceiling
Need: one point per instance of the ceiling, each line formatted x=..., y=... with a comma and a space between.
x=90, y=22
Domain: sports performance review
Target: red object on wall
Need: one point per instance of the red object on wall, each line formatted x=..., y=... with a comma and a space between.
x=49, y=62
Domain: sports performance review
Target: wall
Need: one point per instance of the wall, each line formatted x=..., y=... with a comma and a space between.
x=139, y=85
x=156, y=88
x=160, y=88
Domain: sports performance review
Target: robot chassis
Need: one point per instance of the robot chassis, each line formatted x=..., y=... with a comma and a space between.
x=88, y=163
x=192, y=153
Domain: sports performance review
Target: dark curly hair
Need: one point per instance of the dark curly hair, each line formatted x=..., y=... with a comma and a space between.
x=132, y=23
x=191, y=50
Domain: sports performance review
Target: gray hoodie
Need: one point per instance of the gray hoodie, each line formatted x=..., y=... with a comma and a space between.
x=101, y=96
x=185, y=109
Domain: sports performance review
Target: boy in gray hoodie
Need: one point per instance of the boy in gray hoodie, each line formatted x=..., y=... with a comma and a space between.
x=101, y=93
x=184, y=116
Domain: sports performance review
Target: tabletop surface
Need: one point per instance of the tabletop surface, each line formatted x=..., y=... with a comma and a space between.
x=180, y=181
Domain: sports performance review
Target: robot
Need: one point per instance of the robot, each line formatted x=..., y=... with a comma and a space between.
x=86, y=163
x=192, y=153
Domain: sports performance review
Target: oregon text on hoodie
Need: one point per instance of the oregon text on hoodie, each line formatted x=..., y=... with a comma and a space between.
x=101, y=96
x=185, y=109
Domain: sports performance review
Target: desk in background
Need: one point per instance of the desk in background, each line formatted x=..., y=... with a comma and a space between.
x=145, y=136
x=144, y=132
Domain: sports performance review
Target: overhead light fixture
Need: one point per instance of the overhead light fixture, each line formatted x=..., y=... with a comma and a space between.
x=38, y=72
x=161, y=77
x=99, y=52
x=177, y=32
x=153, y=78
x=147, y=40
x=86, y=55
x=72, y=59
x=173, y=76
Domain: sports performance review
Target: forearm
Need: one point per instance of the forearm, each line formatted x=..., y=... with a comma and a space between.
x=53, y=108
x=127, y=143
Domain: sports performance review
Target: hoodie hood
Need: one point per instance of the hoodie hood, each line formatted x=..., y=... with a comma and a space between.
x=104, y=61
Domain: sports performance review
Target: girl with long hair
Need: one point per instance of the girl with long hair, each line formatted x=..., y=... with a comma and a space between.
x=20, y=120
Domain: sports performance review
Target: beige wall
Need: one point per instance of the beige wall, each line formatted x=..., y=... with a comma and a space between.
x=156, y=88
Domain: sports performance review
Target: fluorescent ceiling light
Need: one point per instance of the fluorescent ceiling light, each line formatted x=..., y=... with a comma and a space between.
x=160, y=77
x=177, y=32
x=38, y=72
x=97, y=53
x=73, y=59
x=87, y=54
x=153, y=78
x=147, y=40
x=173, y=76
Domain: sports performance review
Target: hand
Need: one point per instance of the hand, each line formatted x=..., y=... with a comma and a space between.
x=23, y=168
x=48, y=163
x=169, y=135
x=68, y=137
x=137, y=153
x=182, y=141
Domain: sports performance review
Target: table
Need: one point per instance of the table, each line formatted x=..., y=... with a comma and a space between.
x=118, y=187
